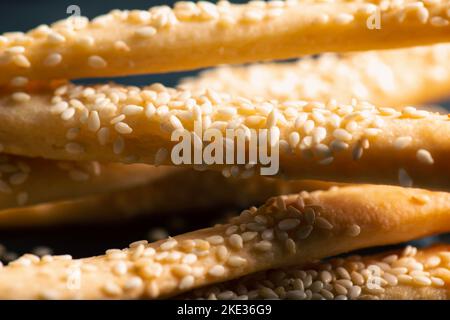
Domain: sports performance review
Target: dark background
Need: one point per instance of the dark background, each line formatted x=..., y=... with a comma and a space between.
x=84, y=240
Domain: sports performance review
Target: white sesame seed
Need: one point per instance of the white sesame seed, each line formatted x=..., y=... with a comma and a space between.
x=53, y=59
x=132, y=109
x=97, y=62
x=402, y=142
x=236, y=241
x=439, y=22
x=424, y=156
x=343, y=18
x=168, y=245
x=404, y=179
x=353, y=230
x=290, y=246
x=323, y=223
x=68, y=114
x=21, y=61
x=120, y=268
x=217, y=271
x=123, y=128
x=236, y=262
x=94, y=121
x=263, y=245
x=21, y=97
x=103, y=136
x=145, y=32
x=342, y=134
x=288, y=224
x=56, y=38
x=19, y=81
x=215, y=240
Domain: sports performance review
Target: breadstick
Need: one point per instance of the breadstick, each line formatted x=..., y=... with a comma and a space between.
x=28, y=181
x=332, y=141
x=203, y=34
x=391, y=77
x=168, y=191
x=408, y=274
x=287, y=230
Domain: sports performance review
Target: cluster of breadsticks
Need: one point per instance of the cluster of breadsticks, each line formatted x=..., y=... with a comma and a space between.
x=71, y=152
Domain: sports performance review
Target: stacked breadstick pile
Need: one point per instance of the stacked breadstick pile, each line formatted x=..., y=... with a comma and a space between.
x=72, y=152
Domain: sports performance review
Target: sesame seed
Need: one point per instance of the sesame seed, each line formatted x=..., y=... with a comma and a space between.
x=103, y=135
x=215, y=240
x=94, y=121
x=21, y=97
x=290, y=246
x=123, y=128
x=133, y=283
x=217, y=271
x=145, y=32
x=56, y=38
x=424, y=156
x=404, y=179
x=53, y=59
x=288, y=224
x=97, y=62
x=342, y=134
x=249, y=236
x=120, y=268
x=112, y=289
x=343, y=18
x=117, y=119
x=236, y=262
x=21, y=61
x=236, y=241
x=187, y=282
x=439, y=22
x=119, y=145
x=168, y=245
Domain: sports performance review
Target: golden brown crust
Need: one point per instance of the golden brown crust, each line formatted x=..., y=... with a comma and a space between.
x=329, y=141
x=391, y=77
x=131, y=42
x=402, y=274
x=288, y=230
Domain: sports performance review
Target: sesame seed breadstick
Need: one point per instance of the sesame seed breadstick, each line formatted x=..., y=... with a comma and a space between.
x=28, y=181
x=329, y=141
x=287, y=230
x=408, y=274
x=167, y=190
x=193, y=35
x=391, y=77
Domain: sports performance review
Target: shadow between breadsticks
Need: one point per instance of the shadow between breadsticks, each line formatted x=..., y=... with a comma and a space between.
x=194, y=35
x=408, y=274
x=287, y=230
x=355, y=142
x=387, y=77
x=167, y=190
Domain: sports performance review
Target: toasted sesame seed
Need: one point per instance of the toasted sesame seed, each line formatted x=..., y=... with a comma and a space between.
x=263, y=245
x=353, y=230
x=19, y=81
x=249, y=236
x=215, y=240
